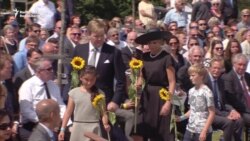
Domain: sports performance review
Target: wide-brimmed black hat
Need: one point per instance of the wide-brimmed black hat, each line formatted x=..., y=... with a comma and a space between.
x=152, y=34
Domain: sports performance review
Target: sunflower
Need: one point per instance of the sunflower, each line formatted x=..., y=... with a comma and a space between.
x=164, y=94
x=96, y=101
x=135, y=64
x=77, y=63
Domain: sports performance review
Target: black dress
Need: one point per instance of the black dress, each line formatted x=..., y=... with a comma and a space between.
x=150, y=123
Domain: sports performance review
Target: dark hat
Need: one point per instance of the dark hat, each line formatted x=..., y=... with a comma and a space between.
x=152, y=34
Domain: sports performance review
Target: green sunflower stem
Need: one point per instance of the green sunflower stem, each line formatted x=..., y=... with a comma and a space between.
x=136, y=104
x=74, y=79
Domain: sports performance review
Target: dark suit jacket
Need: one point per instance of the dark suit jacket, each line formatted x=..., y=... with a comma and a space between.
x=127, y=55
x=225, y=108
x=39, y=134
x=228, y=11
x=68, y=47
x=21, y=76
x=234, y=93
x=110, y=66
x=201, y=10
x=183, y=78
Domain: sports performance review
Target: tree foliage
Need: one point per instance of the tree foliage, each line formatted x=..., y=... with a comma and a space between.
x=106, y=9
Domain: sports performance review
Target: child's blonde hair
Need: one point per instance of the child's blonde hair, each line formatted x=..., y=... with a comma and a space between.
x=197, y=68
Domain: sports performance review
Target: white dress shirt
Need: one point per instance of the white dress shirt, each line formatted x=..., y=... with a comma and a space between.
x=43, y=14
x=31, y=92
x=121, y=45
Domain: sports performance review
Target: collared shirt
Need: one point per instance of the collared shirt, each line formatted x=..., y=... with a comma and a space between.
x=20, y=60
x=51, y=134
x=32, y=72
x=31, y=92
x=121, y=45
x=179, y=17
x=44, y=14
x=91, y=53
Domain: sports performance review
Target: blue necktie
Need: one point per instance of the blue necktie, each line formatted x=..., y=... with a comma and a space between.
x=216, y=95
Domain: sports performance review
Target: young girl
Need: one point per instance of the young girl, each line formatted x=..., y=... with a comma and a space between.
x=201, y=113
x=86, y=117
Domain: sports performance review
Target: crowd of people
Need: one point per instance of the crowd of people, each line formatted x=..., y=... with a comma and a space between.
x=202, y=55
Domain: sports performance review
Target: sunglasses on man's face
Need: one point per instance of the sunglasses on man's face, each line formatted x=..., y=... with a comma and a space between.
x=5, y=126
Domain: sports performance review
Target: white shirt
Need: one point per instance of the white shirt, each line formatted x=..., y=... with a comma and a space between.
x=91, y=53
x=31, y=92
x=121, y=45
x=44, y=14
x=32, y=72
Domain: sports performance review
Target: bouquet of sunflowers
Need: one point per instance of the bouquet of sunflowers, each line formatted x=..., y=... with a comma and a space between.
x=77, y=63
x=99, y=103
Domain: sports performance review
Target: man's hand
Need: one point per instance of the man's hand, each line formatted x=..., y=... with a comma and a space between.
x=112, y=106
x=234, y=115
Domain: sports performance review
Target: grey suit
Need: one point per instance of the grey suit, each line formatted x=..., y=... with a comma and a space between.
x=39, y=134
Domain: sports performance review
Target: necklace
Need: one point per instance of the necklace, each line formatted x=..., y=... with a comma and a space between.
x=155, y=55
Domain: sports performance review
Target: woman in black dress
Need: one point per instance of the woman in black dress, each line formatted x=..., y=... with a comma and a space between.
x=174, y=48
x=154, y=113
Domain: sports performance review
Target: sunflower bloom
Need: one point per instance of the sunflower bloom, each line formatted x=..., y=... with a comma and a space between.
x=98, y=100
x=164, y=94
x=135, y=64
x=77, y=63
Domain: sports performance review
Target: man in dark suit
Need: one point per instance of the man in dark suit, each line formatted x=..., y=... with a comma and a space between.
x=226, y=117
x=32, y=56
x=237, y=84
x=229, y=9
x=48, y=113
x=72, y=41
x=130, y=50
x=109, y=64
x=195, y=55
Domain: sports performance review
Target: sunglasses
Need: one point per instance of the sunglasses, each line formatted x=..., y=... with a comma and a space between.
x=173, y=43
x=173, y=29
x=115, y=35
x=193, y=27
x=202, y=24
x=76, y=34
x=194, y=44
x=48, y=69
x=246, y=15
x=219, y=48
x=37, y=31
x=194, y=35
x=230, y=35
x=5, y=126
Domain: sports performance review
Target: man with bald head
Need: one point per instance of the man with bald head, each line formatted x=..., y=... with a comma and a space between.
x=49, y=48
x=48, y=113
